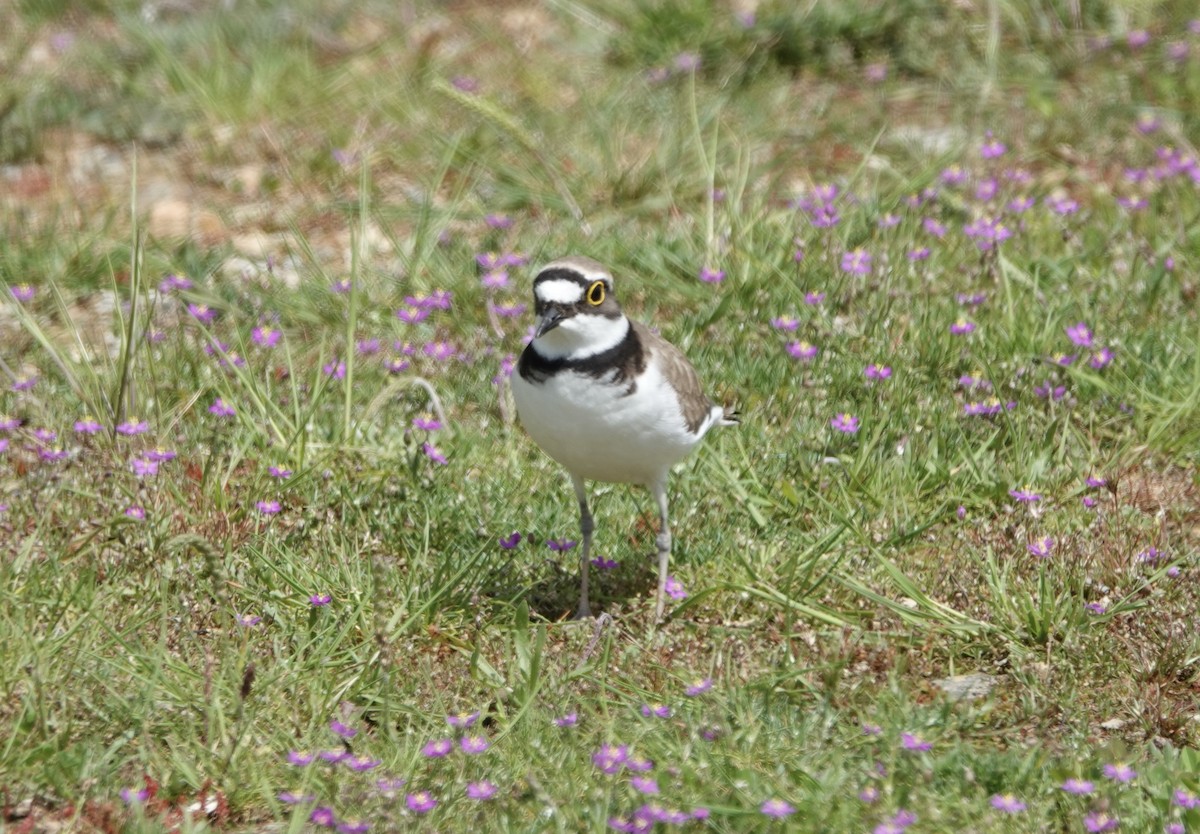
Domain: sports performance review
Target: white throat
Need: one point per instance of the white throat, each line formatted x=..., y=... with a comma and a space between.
x=581, y=336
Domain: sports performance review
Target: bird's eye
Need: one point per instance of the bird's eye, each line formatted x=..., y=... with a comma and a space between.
x=595, y=294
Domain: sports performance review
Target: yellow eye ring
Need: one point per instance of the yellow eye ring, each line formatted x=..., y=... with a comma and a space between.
x=595, y=293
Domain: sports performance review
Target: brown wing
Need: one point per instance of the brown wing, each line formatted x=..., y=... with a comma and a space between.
x=693, y=402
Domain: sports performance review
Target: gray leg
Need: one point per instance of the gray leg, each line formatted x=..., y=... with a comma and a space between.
x=585, y=527
x=664, y=544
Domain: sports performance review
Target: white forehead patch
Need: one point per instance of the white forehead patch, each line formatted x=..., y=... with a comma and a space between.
x=559, y=292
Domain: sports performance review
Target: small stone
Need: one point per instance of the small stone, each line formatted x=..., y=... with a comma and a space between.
x=970, y=687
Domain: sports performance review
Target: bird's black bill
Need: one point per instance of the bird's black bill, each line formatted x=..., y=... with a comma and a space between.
x=549, y=320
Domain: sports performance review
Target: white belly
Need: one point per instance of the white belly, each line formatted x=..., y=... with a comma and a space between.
x=599, y=433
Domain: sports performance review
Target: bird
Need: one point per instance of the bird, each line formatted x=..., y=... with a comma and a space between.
x=607, y=398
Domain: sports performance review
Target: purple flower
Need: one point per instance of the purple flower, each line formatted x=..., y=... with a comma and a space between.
x=687, y=62
x=388, y=785
x=954, y=175
x=300, y=758
x=508, y=311
x=420, y=802
x=172, y=282
x=133, y=426
x=135, y=512
x=412, y=315
x=644, y=784
x=877, y=372
x=465, y=83
x=876, y=73
x=320, y=600
x=1080, y=334
x=1095, y=608
x=870, y=729
x=474, y=744
x=87, y=426
x=249, y=620
x=992, y=148
x=934, y=228
x=962, y=326
x=1062, y=205
x=1119, y=772
x=353, y=827
x=656, y=711
x=560, y=545
x=437, y=749
x=812, y=298
x=202, y=313
x=1041, y=548
x=786, y=323
x=335, y=369
x=1079, y=787
x=845, y=423
x=1025, y=495
x=268, y=507
x=57, y=453
x=1138, y=38
x=510, y=541
x=568, y=720
x=698, y=687
x=361, y=763
x=919, y=254
x=280, y=472
x=43, y=435
x=433, y=454
x=333, y=756
x=1099, y=821
x=1007, y=803
x=610, y=758
x=857, y=262
x=869, y=795
x=463, y=720
x=160, y=455
x=1185, y=799
x=1101, y=358
x=639, y=764
x=481, y=790
x=711, y=276
x=889, y=221
x=367, y=347
x=1174, y=828
x=133, y=796
x=498, y=221
x=776, y=808
x=439, y=351
x=603, y=563
x=322, y=815
x=290, y=798
x=802, y=350
x=143, y=467
x=220, y=408
x=266, y=337
x=496, y=279
x=23, y=292
x=909, y=741
x=674, y=588
x=426, y=423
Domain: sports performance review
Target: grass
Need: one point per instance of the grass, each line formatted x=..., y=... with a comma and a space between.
x=165, y=642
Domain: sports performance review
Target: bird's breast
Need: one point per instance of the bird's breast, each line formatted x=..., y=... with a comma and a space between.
x=627, y=431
